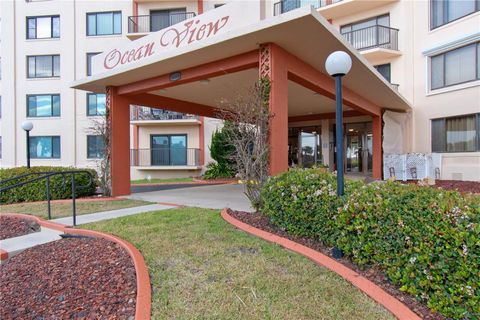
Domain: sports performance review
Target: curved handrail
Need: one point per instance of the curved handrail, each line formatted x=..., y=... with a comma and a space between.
x=46, y=175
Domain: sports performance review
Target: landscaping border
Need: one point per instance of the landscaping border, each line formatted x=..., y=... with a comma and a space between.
x=397, y=308
x=144, y=295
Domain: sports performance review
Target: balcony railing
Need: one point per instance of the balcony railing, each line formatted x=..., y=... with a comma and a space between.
x=155, y=22
x=165, y=157
x=373, y=37
x=288, y=5
x=138, y=113
x=394, y=86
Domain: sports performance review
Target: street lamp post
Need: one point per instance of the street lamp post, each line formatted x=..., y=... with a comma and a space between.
x=28, y=126
x=337, y=65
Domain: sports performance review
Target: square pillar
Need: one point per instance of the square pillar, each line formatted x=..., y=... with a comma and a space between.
x=119, y=117
x=273, y=65
x=377, y=152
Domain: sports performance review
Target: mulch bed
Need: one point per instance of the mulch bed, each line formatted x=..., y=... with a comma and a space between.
x=75, y=278
x=461, y=186
x=11, y=227
x=262, y=222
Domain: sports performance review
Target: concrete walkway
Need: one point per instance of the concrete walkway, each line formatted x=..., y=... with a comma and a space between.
x=16, y=245
x=105, y=215
x=210, y=197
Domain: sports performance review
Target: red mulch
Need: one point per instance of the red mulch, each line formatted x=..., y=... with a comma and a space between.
x=11, y=227
x=461, y=186
x=262, y=222
x=80, y=278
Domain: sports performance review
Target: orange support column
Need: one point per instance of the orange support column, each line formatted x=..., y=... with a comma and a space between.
x=119, y=112
x=377, y=147
x=272, y=64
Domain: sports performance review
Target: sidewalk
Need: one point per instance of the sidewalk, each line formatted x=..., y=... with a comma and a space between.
x=105, y=215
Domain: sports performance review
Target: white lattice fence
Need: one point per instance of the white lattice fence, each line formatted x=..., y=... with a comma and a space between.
x=412, y=166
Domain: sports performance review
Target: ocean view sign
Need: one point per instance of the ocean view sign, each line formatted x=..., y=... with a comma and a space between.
x=190, y=31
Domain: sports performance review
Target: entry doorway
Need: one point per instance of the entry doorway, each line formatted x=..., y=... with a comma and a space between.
x=305, y=147
x=168, y=150
x=358, y=148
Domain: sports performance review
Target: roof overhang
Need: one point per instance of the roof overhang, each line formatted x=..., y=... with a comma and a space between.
x=302, y=32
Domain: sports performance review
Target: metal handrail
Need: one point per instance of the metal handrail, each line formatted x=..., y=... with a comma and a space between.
x=143, y=23
x=285, y=6
x=377, y=36
x=47, y=175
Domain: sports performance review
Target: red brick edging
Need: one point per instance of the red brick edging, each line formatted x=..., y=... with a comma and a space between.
x=397, y=308
x=144, y=294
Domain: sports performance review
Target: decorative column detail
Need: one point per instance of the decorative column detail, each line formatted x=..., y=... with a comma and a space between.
x=265, y=60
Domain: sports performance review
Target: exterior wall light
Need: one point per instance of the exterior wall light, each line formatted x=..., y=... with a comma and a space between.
x=338, y=64
x=28, y=126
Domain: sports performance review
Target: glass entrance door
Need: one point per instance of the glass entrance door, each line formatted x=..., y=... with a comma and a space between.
x=310, y=149
x=168, y=150
x=354, y=153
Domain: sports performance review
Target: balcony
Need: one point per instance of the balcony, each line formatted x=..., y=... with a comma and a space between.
x=140, y=115
x=165, y=158
x=375, y=42
x=139, y=26
x=289, y=5
x=330, y=9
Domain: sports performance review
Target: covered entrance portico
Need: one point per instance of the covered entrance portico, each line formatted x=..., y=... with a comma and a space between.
x=197, y=77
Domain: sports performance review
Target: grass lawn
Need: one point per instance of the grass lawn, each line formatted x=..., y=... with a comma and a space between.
x=203, y=268
x=161, y=180
x=65, y=209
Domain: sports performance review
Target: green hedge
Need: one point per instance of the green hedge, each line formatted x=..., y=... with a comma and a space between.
x=36, y=191
x=426, y=240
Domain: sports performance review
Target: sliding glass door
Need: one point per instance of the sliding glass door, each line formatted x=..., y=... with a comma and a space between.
x=169, y=150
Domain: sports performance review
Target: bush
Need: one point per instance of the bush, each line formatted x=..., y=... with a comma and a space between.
x=221, y=151
x=304, y=202
x=36, y=191
x=425, y=239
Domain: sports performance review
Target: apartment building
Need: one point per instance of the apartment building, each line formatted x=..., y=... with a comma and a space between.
x=427, y=50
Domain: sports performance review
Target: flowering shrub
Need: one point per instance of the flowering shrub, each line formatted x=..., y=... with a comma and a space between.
x=304, y=202
x=426, y=240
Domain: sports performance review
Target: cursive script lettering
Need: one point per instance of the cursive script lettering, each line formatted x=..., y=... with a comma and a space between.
x=115, y=57
x=192, y=32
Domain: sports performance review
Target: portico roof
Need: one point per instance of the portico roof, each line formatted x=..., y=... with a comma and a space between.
x=303, y=32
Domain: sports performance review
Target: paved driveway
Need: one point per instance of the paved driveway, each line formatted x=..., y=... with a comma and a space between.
x=211, y=197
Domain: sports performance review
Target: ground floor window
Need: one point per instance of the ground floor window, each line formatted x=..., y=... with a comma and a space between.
x=46, y=147
x=169, y=150
x=95, y=147
x=456, y=134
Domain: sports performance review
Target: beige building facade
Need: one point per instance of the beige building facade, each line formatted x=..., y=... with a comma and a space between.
x=428, y=50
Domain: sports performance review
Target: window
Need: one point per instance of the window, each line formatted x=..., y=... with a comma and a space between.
x=43, y=27
x=445, y=11
x=168, y=150
x=160, y=19
x=456, y=134
x=218, y=5
x=104, y=23
x=0, y=147
x=455, y=66
x=95, y=147
x=43, y=105
x=43, y=66
x=46, y=147
x=384, y=70
x=95, y=104
x=90, y=55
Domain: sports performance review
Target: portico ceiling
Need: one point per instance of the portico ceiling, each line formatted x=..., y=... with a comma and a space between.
x=301, y=101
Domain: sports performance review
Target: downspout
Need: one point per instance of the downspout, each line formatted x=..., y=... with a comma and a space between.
x=15, y=83
x=75, y=78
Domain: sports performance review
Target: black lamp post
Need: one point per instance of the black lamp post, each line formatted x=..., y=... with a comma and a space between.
x=28, y=126
x=337, y=65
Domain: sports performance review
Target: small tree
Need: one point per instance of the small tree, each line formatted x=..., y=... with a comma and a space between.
x=221, y=150
x=102, y=127
x=248, y=132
